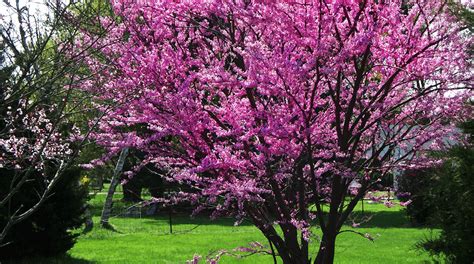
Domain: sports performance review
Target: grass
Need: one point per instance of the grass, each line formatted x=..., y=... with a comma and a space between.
x=148, y=240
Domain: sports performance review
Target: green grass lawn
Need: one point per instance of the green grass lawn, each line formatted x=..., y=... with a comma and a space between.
x=147, y=240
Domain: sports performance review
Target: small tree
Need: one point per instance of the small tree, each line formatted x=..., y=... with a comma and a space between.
x=40, y=109
x=269, y=108
x=50, y=229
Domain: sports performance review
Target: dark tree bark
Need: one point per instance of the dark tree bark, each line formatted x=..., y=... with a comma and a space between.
x=326, y=249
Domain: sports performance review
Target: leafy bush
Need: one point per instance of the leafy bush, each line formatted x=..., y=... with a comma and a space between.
x=47, y=232
x=452, y=197
x=442, y=197
x=415, y=185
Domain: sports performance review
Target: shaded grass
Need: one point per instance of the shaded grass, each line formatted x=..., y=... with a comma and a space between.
x=64, y=259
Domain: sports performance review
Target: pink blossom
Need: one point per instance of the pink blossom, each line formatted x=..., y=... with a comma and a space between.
x=388, y=204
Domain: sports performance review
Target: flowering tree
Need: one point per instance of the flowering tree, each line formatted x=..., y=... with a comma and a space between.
x=270, y=109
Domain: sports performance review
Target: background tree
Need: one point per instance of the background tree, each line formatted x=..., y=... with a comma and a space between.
x=146, y=177
x=40, y=109
x=270, y=108
x=449, y=195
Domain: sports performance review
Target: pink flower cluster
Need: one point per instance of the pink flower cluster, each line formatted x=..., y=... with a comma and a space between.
x=30, y=139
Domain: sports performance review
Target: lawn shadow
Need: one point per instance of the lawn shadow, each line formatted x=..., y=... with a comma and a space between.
x=63, y=259
x=186, y=219
x=380, y=219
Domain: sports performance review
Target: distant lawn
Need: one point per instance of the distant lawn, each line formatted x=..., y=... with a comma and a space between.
x=147, y=240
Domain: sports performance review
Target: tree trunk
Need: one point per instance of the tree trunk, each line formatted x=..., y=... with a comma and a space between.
x=104, y=219
x=89, y=223
x=326, y=250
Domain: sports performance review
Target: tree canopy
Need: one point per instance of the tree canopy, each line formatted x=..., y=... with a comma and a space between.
x=268, y=108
